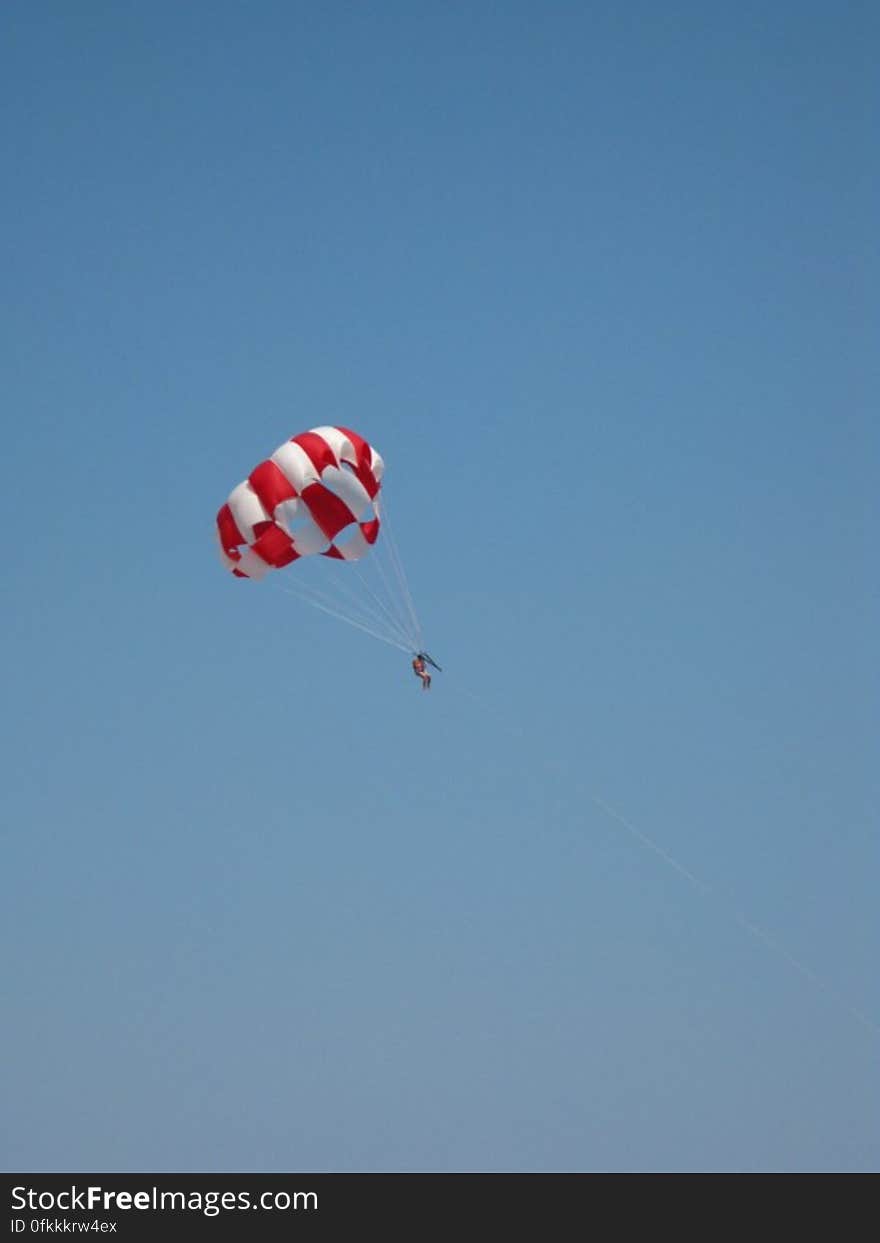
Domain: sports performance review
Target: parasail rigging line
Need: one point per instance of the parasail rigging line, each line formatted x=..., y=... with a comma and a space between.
x=748, y=925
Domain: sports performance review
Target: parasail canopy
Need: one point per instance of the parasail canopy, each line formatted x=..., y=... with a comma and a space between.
x=318, y=495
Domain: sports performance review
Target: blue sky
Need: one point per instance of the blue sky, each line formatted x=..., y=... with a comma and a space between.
x=599, y=281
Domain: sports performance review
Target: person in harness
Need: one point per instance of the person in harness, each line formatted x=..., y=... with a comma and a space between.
x=420, y=669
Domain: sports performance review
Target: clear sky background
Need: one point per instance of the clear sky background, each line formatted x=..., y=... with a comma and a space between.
x=599, y=280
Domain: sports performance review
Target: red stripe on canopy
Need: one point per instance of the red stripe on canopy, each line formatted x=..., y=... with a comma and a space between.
x=319, y=452
x=275, y=547
x=230, y=536
x=361, y=448
x=271, y=486
x=330, y=513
